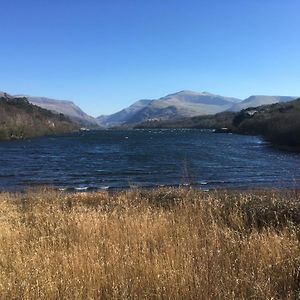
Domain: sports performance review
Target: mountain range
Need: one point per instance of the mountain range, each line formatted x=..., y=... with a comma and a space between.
x=173, y=106
x=183, y=104
x=279, y=123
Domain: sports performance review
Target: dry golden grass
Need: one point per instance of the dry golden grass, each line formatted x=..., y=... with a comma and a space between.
x=160, y=244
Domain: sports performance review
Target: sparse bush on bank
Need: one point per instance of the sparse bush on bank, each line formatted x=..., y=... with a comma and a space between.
x=164, y=243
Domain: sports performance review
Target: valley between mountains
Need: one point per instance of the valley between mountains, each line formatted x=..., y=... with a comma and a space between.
x=274, y=117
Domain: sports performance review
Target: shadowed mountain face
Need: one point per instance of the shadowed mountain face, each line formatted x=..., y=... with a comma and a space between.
x=173, y=106
x=68, y=108
x=5, y=95
x=279, y=123
x=255, y=101
x=21, y=119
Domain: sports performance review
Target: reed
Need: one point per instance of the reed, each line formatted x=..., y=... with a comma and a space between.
x=157, y=244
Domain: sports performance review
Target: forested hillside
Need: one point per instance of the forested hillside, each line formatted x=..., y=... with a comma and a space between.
x=19, y=119
x=278, y=123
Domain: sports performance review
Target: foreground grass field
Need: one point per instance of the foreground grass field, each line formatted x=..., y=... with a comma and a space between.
x=160, y=244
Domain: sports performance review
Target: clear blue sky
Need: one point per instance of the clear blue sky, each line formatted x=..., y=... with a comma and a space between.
x=106, y=54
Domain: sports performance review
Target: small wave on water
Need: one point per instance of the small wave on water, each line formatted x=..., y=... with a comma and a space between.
x=203, y=182
x=85, y=188
x=81, y=188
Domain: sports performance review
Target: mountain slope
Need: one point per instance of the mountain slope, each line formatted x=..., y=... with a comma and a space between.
x=217, y=121
x=124, y=115
x=173, y=106
x=3, y=94
x=68, y=108
x=184, y=104
x=257, y=100
x=19, y=119
x=278, y=123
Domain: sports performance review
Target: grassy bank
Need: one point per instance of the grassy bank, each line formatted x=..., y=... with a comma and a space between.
x=160, y=244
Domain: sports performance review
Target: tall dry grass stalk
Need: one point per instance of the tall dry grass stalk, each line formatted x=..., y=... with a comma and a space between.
x=160, y=244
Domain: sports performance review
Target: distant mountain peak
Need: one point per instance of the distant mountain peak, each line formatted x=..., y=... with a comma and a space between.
x=258, y=100
x=183, y=92
x=184, y=103
x=186, y=92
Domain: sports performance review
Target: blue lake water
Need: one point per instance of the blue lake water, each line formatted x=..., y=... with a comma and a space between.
x=146, y=158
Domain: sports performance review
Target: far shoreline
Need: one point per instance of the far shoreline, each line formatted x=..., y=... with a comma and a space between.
x=280, y=147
